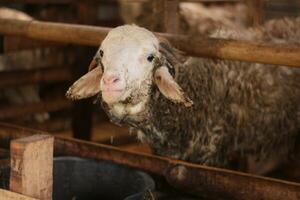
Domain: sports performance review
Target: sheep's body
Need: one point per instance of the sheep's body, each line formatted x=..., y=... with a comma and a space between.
x=194, y=17
x=240, y=108
x=206, y=111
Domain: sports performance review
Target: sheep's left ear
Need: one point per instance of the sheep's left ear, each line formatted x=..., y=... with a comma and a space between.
x=88, y=85
x=169, y=88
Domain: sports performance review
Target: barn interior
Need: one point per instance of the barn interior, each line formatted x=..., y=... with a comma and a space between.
x=39, y=61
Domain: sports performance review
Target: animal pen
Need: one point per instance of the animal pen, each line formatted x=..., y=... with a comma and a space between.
x=31, y=158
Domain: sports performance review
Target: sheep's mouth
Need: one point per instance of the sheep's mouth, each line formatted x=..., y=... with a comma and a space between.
x=112, y=96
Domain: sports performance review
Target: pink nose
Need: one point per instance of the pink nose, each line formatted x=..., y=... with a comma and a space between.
x=111, y=79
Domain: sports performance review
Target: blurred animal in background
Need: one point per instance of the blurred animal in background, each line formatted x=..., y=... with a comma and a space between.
x=195, y=18
x=201, y=110
x=20, y=95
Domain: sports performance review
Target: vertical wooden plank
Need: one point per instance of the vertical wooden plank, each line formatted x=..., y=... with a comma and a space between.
x=255, y=12
x=171, y=16
x=32, y=166
x=158, y=7
x=82, y=110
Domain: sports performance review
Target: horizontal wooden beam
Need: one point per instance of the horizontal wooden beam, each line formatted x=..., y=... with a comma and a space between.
x=52, y=125
x=105, y=1
x=16, y=78
x=44, y=106
x=199, y=180
x=277, y=54
x=34, y=58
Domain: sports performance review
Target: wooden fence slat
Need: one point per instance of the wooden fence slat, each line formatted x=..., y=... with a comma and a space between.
x=277, y=54
x=196, y=179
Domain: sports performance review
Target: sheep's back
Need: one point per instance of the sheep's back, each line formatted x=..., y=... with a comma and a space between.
x=238, y=107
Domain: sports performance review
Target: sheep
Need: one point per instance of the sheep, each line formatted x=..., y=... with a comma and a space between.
x=195, y=18
x=205, y=111
x=23, y=94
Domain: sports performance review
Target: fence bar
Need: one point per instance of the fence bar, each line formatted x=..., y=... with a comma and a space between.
x=16, y=78
x=32, y=108
x=206, y=47
x=199, y=180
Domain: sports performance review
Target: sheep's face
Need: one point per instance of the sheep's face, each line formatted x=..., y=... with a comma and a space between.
x=127, y=55
x=126, y=65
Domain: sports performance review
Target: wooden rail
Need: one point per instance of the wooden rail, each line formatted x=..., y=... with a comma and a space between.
x=108, y=1
x=23, y=110
x=15, y=78
x=199, y=180
x=206, y=47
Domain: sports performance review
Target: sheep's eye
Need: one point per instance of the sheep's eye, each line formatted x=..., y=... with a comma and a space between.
x=150, y=57
x=97, y=59
x=101, y=53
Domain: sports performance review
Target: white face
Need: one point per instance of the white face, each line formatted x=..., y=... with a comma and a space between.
x=127, y=58
x=127, y=55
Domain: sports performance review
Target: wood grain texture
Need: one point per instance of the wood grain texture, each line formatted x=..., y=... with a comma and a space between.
x=171, y=16
x=32, y=166
x=277, y=54
x=192, y=178
x=44, y=106
x=8, y=195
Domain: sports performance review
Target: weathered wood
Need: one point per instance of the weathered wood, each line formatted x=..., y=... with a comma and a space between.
x=8, y=195
x=32, y=166
x=52, y=125
x=15, y=43
x=33, y=59
x=220, y=183
x=106, y=1
x=44, y=106
x=171, y=16
x=16, y=78
x=215, y=48
x=4, y=153
x=83, y=109
x=255, y=12
x=157, y=17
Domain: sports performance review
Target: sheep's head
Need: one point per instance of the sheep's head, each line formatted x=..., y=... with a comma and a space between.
x=129, y=61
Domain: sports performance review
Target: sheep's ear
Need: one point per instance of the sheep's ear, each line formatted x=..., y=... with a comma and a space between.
x=169, y=88
x=88, y=85
x=172, y=55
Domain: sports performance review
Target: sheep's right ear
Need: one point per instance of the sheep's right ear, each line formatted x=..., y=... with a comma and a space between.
x=88, y=85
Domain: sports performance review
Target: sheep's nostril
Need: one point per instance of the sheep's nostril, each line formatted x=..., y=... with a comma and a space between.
x=110, y=79
x=116, y=80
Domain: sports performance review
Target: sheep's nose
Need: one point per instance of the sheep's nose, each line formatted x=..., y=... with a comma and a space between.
x=111, y=79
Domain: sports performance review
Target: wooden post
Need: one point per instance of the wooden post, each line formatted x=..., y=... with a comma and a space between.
x=171, y=16
x=165, y=16
x=32, y=166
x=82, y=110
x=255, y=12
